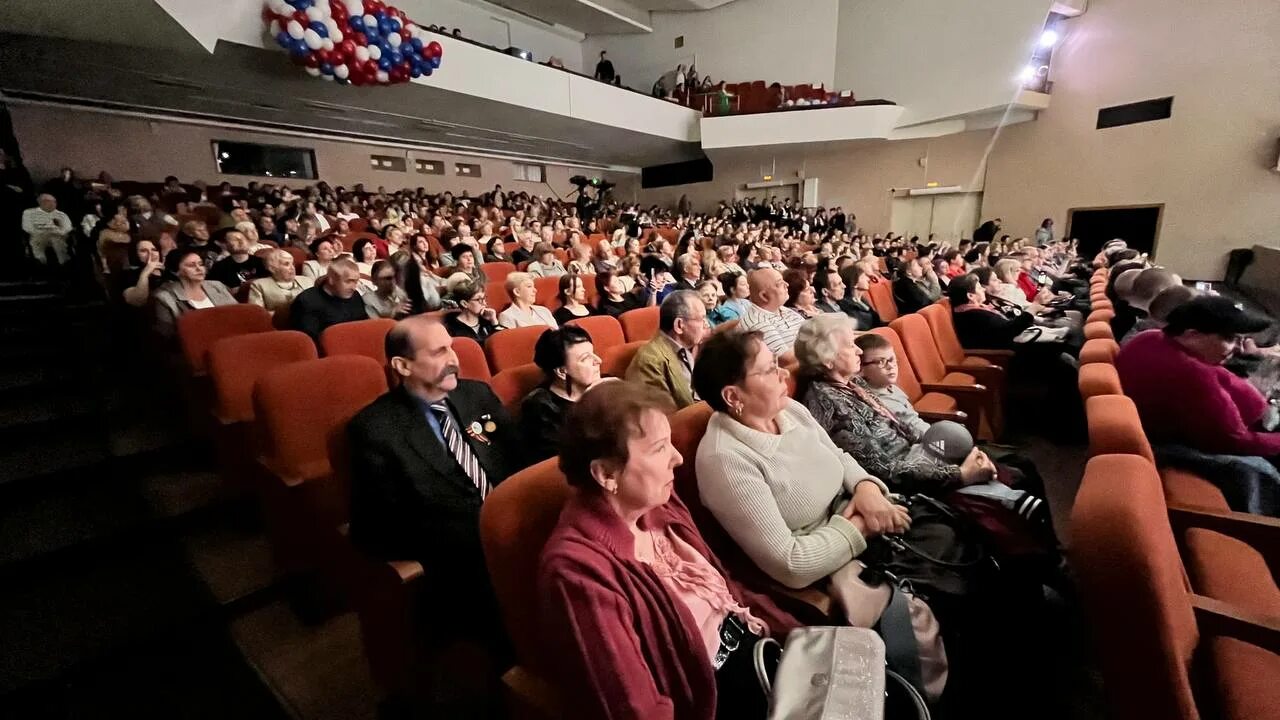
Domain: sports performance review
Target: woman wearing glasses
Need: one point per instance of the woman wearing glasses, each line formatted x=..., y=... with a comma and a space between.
x=474, y=319
x=387, y=299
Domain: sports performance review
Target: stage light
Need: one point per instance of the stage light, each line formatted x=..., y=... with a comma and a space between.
x=1028, y=74
x=1048, y=38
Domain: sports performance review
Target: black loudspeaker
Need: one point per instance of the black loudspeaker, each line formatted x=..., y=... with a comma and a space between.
x=517, y=52
x=681, y=173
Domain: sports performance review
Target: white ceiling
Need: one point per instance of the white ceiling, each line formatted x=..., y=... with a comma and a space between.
x=604, y=17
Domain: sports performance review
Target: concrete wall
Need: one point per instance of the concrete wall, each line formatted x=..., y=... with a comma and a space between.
x=137, y=149
x=770, y=40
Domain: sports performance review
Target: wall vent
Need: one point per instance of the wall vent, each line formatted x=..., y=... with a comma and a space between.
x=1133, y=113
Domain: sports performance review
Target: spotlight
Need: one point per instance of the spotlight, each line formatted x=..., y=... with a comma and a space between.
x=1048, y=38
x=1028, y=74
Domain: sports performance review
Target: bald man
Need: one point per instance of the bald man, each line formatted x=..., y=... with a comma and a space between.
x=332, y=301
x=424, y=457
x=47, y=229
x=765, y=313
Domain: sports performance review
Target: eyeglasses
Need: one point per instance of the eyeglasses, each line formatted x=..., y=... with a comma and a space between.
x=384, y=278
x=771, y=370
x=480, y=299
x=882, y=363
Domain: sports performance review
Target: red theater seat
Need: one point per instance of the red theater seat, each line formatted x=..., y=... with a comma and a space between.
x=512, y=347
x=639, y=324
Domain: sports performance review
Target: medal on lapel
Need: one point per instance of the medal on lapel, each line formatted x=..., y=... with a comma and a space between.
x=476, y=432
x=489, y=424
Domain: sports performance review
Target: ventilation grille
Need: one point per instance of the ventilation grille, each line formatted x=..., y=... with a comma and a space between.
x=1133, y=113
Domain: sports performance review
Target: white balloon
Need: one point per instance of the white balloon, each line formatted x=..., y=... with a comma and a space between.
x=355, y=8
x=314, y=13
x=370, y=21
x=413, y=29
x=375, y=52
x=327, y=44
x=336, y=35
x=312, y=40
x=341, y=71
x=362, y=53
x=294, y=28
x=383, y=77
x=313, y=72
x=394, y=40
x=280, y=7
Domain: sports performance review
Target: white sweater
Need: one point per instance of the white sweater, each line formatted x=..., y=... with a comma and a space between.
x=774, y=494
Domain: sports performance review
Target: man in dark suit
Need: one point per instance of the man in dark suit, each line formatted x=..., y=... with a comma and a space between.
x=689, y=268
x=423, y=458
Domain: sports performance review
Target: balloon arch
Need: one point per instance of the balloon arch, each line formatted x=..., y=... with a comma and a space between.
x=361, y=42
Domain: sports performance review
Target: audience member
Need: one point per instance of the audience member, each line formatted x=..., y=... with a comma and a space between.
x=666, y=362
x=522, y=312
x=569, y=367
x=282, y=287
x=47, y=229
x=978, y=324
x=188, y=291
x=800, y=294
x=830, y=290
x=1158, y=309
x=386, y=299
x=573, y=299
x=147, y=275
x=766, y=314
x=546, y=264
x=333, y=300
x=474, y=319
x=644, y=619
x=613, y=299
x=688, y=272
x=238, y=267
x=857, y=304
x=323, y=251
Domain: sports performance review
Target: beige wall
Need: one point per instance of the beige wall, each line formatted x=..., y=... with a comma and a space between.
x=1208, y=164
x=137, y=149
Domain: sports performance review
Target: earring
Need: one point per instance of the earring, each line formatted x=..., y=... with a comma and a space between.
x=611, y=488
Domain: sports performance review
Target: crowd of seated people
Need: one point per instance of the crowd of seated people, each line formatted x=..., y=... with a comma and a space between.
x=800, y=477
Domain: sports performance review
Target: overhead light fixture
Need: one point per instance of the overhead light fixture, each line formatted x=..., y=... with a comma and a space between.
x=1048, y=38
x=1028, y=74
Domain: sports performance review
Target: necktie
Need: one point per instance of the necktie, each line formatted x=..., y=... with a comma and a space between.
x=459, y=448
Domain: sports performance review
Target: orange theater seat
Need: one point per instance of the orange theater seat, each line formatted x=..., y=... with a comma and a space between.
x=497, y=272
x=1115, y=428
x=200, y=329
x=639, y=324
x=1099, y=379
x=472, y=364
x=615, y=361
x=962, y=407
x=513, y=384
x=496, y=292
x=300, y=257
x=605, y=332
x=881, y=297
x=1154, y=637
x=955, y=355
x=548, y=291
x=362, y=337
x=512, y=347
x=236, y=363
x=515, y=522
x=922, y=350
x=1099, y=351
x=1100, y=315
x=1098, y=330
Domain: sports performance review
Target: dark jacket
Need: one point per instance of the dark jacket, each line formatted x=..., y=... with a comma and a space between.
x=410, y=500
x=625, y=646
x=910, y=296
x=541, y=417
x=988, y=329
x=865, y=315
x=480, y=333
x=314, y=310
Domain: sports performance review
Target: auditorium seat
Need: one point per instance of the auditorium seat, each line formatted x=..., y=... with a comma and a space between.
x=639, y=324
x=497, y=272
x=512, y=347
x=880, y=295
x=496, y=292
x=548, y=291
x=300, y=257
x=513, y=384
x=1100, y=315
x=615, y=361
x=933, y=373
x=988, y=366
x=1157, y=642
x=200, y=329
x=1103, y=351
x=361, y=337
x=958, y=406
x=605, y=332
x=515, y=522
x=472, y=364
x=1098, y=330
x=1232, y=569
x=1098, y=379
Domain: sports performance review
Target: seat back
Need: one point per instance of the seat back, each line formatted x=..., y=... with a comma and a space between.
x=362, y=337
x=300, y=257
x=615, y=361
x=299, y=407
x=944, y=333
x=605, y=332
x=496, y=292
x=907, y=378
x=1134, y=589
x=513, y=384
x=472, y=364
x=512, y=347
x=1099, y=379
x=198, y=330
x=639, y=324
x=880, y=295
x=497, y=271
x=236, y=363
x=1115, y=428
x=515, y=522
x=548, y=289
x=917, y=340
x=1099, y=351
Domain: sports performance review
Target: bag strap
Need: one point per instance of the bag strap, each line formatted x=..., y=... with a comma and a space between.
x=762, y=673
x=901, y=651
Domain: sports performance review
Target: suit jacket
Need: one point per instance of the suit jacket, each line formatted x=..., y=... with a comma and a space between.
x=410, y=500
x=656, y=364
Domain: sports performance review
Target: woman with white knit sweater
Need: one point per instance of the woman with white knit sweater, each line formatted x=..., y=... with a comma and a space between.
x=797, y=505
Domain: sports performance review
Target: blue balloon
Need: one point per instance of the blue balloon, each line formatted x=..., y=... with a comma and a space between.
x=379, y=16
x=384, y=26
x=356, y=22
x=395, y=24
x=284, y=41
x=396, y=57
x=427, y=70
x=417, y=45
x=299, y=47
x=301, y=4
x=319, y=28
x=435, y=63
x=326, y=68
x=384, y=63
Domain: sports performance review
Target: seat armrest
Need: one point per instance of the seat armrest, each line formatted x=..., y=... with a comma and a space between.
x=407, y=570
x=954, y=390
x=991, y=376
x=1258, y=531
x=967, y=419
x=1224, y=619
x=1002, y=358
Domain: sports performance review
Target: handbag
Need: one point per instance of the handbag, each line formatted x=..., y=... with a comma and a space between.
x=836, y=673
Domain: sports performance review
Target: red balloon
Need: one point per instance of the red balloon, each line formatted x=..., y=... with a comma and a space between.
x=371, y=68
x=432, y=50
x=405, y=34
x=347, y=48
x=311, y=60
x=302, y=19
x=359, y=39
x=337, y=9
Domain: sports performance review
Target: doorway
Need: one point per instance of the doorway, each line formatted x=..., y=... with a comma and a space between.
x=788, y=191
x=1137, y=225
x=949, y=217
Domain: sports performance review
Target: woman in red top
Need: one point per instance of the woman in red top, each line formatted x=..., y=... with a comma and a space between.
x=640, y=616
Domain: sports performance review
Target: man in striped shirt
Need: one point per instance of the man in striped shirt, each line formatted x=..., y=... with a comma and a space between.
x=765, y=313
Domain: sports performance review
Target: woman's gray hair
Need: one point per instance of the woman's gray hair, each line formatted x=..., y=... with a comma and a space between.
x=815, y=342
x=1007, y=270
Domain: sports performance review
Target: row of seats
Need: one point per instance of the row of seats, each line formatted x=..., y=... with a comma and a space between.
x=1180, y=590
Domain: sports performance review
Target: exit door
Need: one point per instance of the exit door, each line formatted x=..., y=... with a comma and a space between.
x=949, y=217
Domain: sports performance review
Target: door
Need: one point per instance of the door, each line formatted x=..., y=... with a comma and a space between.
x=912, y=215
x=955, y=216
x=1137, y=225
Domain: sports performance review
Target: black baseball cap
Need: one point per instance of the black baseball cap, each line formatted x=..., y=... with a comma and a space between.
x=1215, y=314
